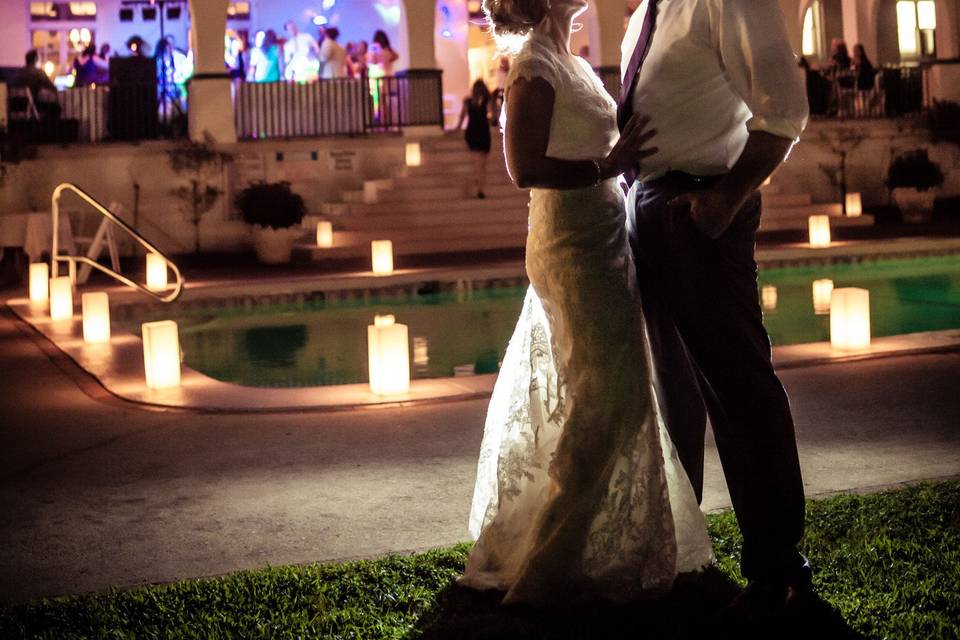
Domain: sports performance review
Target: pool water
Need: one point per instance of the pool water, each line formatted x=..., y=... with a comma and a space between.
x=326, y=343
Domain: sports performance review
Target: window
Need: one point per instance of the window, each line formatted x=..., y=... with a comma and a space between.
x=916, y=27
x=238, y=10
x=812, y=38
x=44, y=11
x=83, y=10
x=40, y=11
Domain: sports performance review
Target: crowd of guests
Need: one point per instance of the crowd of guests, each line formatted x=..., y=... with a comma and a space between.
x=302, y=58
x=841, y=72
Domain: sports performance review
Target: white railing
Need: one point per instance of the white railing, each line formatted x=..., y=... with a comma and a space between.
x=72, y=261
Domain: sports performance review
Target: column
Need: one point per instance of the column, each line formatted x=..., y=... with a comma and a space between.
x=209, y=91
x=420, y=28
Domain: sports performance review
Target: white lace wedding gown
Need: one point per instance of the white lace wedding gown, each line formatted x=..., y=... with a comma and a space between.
x=579, y=492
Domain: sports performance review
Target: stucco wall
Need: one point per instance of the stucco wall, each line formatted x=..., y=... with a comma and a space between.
x=867, y=163
x=162, y=217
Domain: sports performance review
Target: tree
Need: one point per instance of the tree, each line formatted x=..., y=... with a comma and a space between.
x=200, y=163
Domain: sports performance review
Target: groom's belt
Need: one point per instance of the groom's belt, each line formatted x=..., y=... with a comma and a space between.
x=680, y=180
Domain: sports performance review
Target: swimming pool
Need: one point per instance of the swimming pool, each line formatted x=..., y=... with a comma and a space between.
x=324, y=342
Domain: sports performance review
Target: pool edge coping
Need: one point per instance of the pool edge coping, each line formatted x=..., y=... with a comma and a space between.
x=203, y=394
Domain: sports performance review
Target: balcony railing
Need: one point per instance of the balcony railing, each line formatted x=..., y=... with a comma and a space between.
x=347, y=106
x=893, y=91
x=93, y=114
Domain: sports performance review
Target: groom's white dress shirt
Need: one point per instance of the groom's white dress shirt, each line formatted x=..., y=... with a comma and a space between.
x=716, y=70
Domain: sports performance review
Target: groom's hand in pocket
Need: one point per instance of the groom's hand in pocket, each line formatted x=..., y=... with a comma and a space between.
x=711, y=210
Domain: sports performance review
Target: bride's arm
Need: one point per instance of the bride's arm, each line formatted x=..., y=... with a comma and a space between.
x=529, y=112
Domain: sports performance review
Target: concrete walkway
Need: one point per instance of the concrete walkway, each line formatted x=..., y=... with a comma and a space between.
x=96, y=492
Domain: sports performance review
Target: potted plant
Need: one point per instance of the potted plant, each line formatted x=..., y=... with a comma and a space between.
x=274, y=212
x=912, y=178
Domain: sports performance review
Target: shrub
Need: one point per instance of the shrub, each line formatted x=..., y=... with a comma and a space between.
x=914, y=169
x=945, y=121
x=271, y=204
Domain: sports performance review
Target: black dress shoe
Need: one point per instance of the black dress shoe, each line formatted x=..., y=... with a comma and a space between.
x=776, y=595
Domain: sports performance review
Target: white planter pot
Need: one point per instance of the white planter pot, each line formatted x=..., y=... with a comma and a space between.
x=916, y=206
x=273, y=246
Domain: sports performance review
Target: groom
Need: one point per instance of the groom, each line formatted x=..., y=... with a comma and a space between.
x=721, y=85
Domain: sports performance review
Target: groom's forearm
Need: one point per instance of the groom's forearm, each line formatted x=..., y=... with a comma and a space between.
x=762, y=154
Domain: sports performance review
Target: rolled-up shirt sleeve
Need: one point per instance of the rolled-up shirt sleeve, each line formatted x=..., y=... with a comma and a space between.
x=756, y=54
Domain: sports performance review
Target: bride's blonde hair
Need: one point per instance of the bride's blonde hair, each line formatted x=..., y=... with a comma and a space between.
x=511, y=21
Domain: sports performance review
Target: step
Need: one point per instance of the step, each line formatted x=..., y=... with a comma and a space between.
x=419, y=247
x=777, y=200
x=804, y=211
x=771, y=188
x=518, y=201
x=453, y=191
x=433, y=221
x=444, y=180
x=801, y=224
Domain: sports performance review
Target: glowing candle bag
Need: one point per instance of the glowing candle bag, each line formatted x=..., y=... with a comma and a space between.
x=389, y=357
x=61, y=298
x=850, y=318
x=381, y=253
x=161, y=354
x=156, y=272
x=96, y=317
x=854, y=205
x=413, y=154
x=819, y=227
x=39, y=282
x=324, y=234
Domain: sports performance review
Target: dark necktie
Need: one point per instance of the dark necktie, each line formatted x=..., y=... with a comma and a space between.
x=625, y=103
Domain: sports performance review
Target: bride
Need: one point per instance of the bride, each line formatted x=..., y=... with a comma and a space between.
x=579, y=495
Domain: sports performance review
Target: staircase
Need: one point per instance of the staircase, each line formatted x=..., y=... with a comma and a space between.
x=791, y=211
x=431, y=208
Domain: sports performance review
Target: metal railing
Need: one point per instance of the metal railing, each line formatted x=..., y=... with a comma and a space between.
x=342, y=106
x=96, y=113
x=56, y=258
x=893, y=91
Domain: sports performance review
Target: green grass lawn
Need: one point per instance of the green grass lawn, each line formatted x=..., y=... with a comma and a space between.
x=886, y=566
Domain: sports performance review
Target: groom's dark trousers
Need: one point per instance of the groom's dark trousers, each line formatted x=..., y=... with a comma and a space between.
x=712, y=355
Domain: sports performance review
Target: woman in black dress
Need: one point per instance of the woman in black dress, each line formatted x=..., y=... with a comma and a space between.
x=476, y=113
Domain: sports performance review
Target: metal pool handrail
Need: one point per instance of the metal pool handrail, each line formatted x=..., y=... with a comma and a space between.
x=106, y=213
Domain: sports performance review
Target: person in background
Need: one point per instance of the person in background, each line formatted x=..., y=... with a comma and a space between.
x=87, y=67
x=357, y=59
x=864, y=68
x=233, y=55
x=32, y=78
x=818, y=88
x=170, y=93
x=264, y=58
x=839, y=57
x=476, y=114
x=382, y=54
x=106, y=51
x=333, y=57
x=138, y=47
x=301, y=55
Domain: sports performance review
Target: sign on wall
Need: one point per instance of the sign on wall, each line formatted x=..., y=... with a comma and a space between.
x=343, y=160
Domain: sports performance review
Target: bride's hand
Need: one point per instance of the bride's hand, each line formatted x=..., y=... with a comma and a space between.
x=629, y=150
